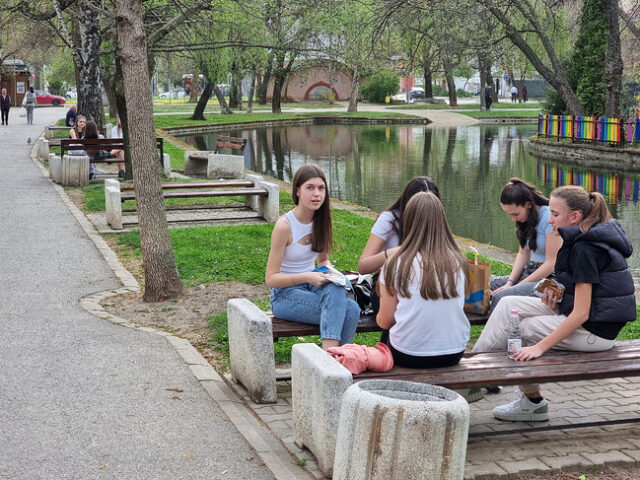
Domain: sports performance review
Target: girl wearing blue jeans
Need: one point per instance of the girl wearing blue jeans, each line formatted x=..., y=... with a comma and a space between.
x=300, y=238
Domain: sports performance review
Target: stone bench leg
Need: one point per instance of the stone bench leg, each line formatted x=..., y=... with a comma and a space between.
x=193, y=166
x=251, y=350
x=55, y=168
x=166, y=164
x=318, y=383
x=43, y=150
x=267, y=207
x=113, y=203
x=75, y=170
x=225, y=166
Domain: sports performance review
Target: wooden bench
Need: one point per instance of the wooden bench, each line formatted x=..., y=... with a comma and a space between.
x=93, y=145
x=260, y=196
x=232, y=143
x=367, y=323
x=319, y=383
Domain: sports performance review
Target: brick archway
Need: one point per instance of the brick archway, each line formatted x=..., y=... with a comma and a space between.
x=320, y=84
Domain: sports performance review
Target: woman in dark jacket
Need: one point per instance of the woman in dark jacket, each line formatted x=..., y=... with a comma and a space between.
x=5, y=105
x=598, y=299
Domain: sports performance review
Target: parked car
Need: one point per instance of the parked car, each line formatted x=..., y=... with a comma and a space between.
x=177, y=93
x=45, y=98
x=72, y=93
x=416, y=93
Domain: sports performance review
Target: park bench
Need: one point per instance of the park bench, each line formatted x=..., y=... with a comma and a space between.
x=260, y=196
x=319, y=382
x=232, y=143
x=251, y=336
x=93, y=145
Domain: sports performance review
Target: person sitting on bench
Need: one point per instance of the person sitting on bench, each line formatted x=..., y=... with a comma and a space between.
x=598, y=299
x=300, y=237
x=422, y=290
x=91, y=131
x=116, y=132
x=388, y=231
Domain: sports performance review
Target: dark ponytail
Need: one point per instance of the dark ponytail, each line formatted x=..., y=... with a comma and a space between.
x=518, y=192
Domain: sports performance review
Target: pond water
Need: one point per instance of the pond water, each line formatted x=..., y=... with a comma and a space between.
x=369, y=165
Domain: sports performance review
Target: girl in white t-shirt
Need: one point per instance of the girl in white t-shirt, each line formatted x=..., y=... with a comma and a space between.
x=422, y=288
x=388, y=230
x=300, y=238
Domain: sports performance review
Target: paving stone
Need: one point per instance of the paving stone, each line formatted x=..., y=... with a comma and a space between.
x=486, y=471
x=572, y=461
x=612, y=457
x=588, y=402
x=635, y=454
x=523, y=467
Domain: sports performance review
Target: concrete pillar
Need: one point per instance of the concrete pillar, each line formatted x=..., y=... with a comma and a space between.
x=251, y=201
x=43, y=150
x=251, y=350
x=194, y=166
x=55, y=168
x=225, y=166
x=113, y=203
x=393, y=429
x=47, y=133
x=107, y=130
x=166, y=164
x=75, y=170
x=269, y=206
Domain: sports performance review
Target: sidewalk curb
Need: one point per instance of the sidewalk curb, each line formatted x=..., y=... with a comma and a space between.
x=279, y=461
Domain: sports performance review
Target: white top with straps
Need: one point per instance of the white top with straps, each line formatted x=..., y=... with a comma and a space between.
x=298, y=258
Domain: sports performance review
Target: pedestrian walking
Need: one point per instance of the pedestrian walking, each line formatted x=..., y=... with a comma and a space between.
x=525, y=94
x=5, y=105
x=29, y=104
x=514, y=94
x=488, y=96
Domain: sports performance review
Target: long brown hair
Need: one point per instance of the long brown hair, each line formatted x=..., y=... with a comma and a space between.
x=592, y=205
x=91, y=130
x=518, y=192
x=429, y=235
x=415, y=185
x=321, y=232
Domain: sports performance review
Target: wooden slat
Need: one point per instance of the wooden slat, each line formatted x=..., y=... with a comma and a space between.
x=213, y=184
x=231, y=192
x=494, y=368
x=367, y=323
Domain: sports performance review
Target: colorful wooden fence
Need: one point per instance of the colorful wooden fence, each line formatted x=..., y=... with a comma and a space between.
x=614, y=187
x=612, y=131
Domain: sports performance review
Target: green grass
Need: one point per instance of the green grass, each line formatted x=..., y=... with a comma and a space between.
x=466, y=106
x=162, y=106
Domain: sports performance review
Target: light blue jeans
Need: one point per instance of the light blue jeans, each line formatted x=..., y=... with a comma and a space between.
x=327, y=306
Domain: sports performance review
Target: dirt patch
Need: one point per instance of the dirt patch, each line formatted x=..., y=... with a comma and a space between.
x=608, y=473
x=186, y=317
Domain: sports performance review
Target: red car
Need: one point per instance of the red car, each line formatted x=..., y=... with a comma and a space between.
x=44, y=98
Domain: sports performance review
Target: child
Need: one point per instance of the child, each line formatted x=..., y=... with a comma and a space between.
x=422, y=289
x=300, y=237
x=598, y=300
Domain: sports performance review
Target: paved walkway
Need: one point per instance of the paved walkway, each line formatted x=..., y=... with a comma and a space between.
x=81, y=397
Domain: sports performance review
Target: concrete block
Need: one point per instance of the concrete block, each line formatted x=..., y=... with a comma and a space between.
x=225, y=166
x=251, y=350
x=269, y=207
x=392, y=429
x=43, y=149
x=318, y=383
x=196, y=166
x=166, y=164
x=55, y=167
x=107, y=130
x=113, y=206
x=47, y=133
x=75, y=170
x=251, y=201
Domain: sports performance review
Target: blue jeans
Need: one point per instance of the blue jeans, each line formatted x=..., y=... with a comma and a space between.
x=327, y=306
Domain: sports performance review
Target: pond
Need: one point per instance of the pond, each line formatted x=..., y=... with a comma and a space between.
x=369, y=165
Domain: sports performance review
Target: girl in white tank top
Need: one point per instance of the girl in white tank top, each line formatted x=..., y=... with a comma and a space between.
x=301, y=238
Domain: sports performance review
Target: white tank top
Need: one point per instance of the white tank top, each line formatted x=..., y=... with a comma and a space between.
x=298, y=258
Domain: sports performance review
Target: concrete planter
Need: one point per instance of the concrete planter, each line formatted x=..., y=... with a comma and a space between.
x=398, y=430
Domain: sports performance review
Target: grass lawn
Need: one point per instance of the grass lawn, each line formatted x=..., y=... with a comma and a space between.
x=467, y=106
x=163, y=106
x=503, y=114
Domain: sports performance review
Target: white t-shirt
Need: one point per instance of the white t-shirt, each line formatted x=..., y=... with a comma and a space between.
x=383, y=228
x=426, y=328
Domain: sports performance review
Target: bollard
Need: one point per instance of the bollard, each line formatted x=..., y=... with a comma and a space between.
x=392, y=429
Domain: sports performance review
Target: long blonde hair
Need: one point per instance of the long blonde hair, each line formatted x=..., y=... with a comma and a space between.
x=592, y=205
x=426, y=233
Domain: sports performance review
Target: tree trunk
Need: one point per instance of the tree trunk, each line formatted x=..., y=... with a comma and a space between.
x=613, y=60
x=355, y=90
x=198, y=112
x=239, y=91
x=233, y=91
x=90, y=98
x=277, y=92
x=251, y=90
x=162, y=280
x=109, y=88
x=451, y=84
x=428, y=82
x=264, y=86
x=121, y=103
x=483, y=83
x=224, y=108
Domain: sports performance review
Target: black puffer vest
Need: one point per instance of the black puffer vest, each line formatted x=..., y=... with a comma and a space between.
x=613, y=299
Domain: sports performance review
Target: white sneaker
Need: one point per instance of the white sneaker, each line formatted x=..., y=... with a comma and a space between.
x=523, y=410
x=99, y=171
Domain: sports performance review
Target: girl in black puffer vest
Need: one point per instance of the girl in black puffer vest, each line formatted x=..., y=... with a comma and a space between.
x=598, y=300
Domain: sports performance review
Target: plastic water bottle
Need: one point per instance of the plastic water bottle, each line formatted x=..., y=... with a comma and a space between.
x=514, y=337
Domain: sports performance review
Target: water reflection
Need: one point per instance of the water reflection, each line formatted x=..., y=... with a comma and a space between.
x=369, y=165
